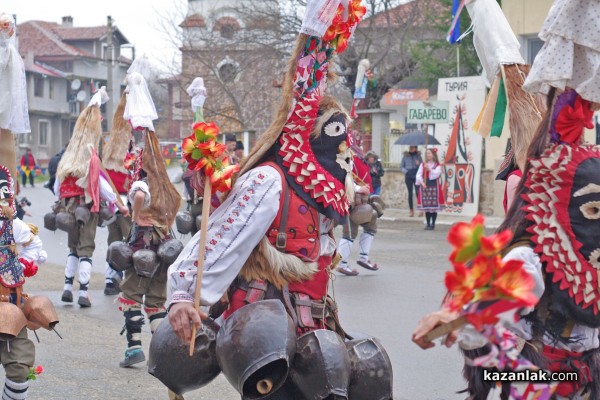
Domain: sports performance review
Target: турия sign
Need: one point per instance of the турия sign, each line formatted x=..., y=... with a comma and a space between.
x=427, y=112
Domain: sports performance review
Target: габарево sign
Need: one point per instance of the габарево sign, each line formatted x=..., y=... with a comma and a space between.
x=427, y=112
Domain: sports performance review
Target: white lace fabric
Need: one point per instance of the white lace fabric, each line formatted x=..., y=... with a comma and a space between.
x=571, y=53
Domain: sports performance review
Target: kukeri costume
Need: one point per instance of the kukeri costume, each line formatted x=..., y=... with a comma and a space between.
x=81, y=186
x=20, y=247
x=149, y=248
x=560, y=217
x=364, y=212
x=117, y=162
x=270, y=247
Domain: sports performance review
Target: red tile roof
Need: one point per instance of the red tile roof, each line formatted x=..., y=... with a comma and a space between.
x=39, y=37
x=49, y=39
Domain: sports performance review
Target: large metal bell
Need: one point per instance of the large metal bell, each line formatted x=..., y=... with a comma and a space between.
x=106, y=217
x=321, y=367
x=184, y=222
x=371, y=377
x=40, y=311
x=255, y=347
x=119, y=256
x=65, y=221
x=361, y=214
x=167, y=351
x=145, y=262
x=168, y=251
x=12, y=322
x=50, y=221
x=82, y=215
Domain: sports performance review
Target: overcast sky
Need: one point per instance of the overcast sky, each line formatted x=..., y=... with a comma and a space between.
x=141, y=21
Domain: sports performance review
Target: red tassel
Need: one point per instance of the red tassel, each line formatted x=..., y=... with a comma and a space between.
x=29, y=268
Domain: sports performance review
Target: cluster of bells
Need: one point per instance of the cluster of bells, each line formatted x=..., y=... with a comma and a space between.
x=366, y=208
x=259, y=353
x=61, y=218
x=34, y=313
x=120, y=256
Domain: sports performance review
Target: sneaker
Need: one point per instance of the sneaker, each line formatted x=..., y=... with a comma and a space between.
x=347, y=271
x=111, y=288
x=368, y=264
x=133, y=356
x=67, y=296
x=84, y=302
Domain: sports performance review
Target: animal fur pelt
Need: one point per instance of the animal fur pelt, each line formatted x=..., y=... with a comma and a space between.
x=165, y=199
x=268, y=263
x=525, y=110
x=86, y=135
x=117, y=146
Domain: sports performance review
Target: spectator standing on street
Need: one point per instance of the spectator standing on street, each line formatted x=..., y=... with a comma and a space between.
x=239, y=151
x=28, y=161
x=430, y=198
x=376, y=172
x=408, y=166
x=53, y=167
x=231, y=144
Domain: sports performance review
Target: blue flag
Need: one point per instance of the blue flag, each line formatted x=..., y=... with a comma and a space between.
x=454, y=31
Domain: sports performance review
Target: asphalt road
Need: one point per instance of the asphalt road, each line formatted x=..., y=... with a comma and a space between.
x=385, y=303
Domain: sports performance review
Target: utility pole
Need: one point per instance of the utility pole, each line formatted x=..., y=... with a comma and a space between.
x=109, y=70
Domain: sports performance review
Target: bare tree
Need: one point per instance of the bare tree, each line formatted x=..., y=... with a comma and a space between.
x=240, y=49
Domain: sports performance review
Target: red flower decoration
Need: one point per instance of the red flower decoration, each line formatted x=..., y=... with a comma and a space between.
x=514, y=282
x=340, y=30
x=492, y=245
x=466, y=239
x=203, y=153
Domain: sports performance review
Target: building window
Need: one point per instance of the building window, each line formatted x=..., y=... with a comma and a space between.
x=44, y=133
x=534, y=45
x=227, y=27
x=50, y=89
x=38, y=86
x=228, y=70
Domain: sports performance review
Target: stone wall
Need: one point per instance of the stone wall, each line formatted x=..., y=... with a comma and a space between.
x=394, y=191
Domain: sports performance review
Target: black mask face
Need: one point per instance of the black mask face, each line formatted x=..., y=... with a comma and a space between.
x=326, y=150
x=584, y=209
x=326, y=146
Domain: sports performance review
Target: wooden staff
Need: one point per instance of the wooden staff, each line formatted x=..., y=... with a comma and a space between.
x=201, y=253
x=445, y=329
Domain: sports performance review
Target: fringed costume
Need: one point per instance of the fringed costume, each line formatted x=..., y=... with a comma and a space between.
x=270, y=248
x=154, y=202
x=117, y=161
x=81, y=186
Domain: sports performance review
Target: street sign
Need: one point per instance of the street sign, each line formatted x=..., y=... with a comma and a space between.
x=427, y=112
